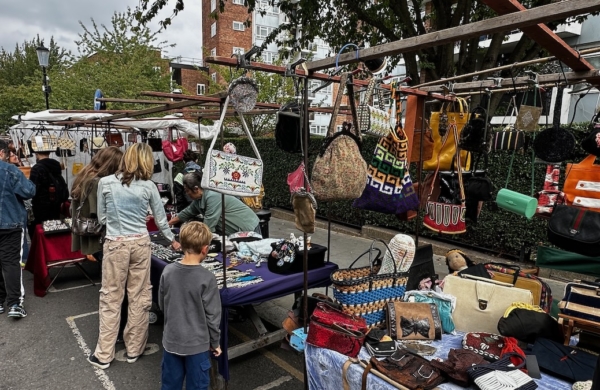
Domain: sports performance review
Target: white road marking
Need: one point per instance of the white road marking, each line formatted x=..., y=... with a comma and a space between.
x=275, y=383
x=104, y=379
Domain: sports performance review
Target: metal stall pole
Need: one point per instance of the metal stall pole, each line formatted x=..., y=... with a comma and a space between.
x=305, y=137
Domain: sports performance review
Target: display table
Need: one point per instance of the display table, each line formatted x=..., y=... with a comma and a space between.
x=274, y=286
x=324, y=369
x=46, y=252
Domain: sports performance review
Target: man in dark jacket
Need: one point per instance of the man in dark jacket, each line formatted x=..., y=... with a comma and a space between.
x=14, y=188
x=51, y=190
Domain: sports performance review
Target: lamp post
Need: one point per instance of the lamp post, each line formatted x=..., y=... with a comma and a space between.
x=43, y=55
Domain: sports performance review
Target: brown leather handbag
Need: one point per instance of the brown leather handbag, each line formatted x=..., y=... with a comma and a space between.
x=415, y=155
x=413, y=321
x=408, y=369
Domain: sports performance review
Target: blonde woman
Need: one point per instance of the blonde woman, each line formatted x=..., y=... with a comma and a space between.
x=123, y=202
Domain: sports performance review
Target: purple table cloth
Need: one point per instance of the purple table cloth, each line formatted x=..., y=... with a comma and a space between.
x=273, y=286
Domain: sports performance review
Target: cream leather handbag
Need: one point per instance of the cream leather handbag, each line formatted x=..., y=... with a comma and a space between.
x=480, y=302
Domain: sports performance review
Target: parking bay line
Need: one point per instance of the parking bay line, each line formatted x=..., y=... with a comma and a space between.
x=271, y=356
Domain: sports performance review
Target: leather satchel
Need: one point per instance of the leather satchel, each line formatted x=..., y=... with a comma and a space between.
x=332, y=329
x=456, y=366
x=533, y=285
x=575, y=229
x=408, y=369
x=481, y=302
x=413, y=321
x=230, y=173
x=582, y=184
x=340, y=172
x=114, y=138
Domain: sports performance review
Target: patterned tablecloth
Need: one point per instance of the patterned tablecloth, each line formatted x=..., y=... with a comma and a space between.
x=324, y=368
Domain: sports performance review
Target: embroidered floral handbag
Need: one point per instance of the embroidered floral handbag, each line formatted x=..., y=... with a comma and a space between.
x=230, y=173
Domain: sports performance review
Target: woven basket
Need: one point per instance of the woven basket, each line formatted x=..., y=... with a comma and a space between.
x=363, y=292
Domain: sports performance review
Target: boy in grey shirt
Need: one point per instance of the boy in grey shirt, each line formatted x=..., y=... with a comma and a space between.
x=190, y=300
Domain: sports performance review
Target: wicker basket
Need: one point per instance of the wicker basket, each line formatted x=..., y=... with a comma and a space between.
x=363, y=292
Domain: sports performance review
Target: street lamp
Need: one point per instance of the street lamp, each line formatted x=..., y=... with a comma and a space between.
x=43, y=55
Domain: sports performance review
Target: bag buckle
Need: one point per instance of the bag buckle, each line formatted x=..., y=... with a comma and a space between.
x=482, y=304
x=573, y=231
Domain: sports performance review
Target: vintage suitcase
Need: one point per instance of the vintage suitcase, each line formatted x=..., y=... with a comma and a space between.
x=582, y=300
x=535, y=286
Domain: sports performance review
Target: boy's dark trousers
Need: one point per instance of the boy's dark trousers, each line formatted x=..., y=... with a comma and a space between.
x=11, y=282
x=194, y=368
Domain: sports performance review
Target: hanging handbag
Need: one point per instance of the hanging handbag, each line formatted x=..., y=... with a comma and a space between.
x=445, y=305
x=440, y=125
x=229, y=173
x=157, y=166
x=42, y=141
x=550, y=195
x=575, y=229
x=427, y=141
x=582, y=184
x=332, y=329
x=554, y=144
x=481, y=302
x=99, y=143
x=305, y=210
x=508, y=138
x=529, y=116
x=340, y=172
x=474, y=137
x=114, y=138
x=389, y=189
x=243, y=93
x=502, y=374
x=581, y=300
x=174, y=149
x=288, y=128
x=363, y=291
x=295, y=180
x=442, y=217
x=85, y=226
x=407, y=369
x=155, y=141
x=373, y=120
x=591, y=142
x=66, y=145
x=563, y=361
x=413, y=321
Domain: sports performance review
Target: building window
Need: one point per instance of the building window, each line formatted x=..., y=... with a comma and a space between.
x=263, y=31
x=238, y=2
x=213, y=29
x=200, y=89
x=213, y=52
x=213, y=77
x=213, y=5
x=269, y=57
x=238, y=26
x=238, y=50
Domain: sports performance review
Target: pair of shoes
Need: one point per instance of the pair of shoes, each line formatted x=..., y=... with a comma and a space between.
x=1, y=308
x=93, y=360
x=132, y=359
x=17, y=311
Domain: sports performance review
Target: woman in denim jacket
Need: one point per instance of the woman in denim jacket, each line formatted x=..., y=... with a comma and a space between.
x=123, y=202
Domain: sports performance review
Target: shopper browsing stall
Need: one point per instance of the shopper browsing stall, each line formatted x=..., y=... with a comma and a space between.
x=238, y=216
x=189, y=298
x=14, y=188
x=181, y=198
x=123, y=201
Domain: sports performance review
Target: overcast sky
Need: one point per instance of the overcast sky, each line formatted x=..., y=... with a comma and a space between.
x=24, y=19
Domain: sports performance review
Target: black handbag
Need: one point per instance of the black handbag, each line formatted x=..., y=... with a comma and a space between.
x=575, y=230
x=155, y=143
x=591, y=142
x=421, y=268
x=157, y=166
x=527, y=325
x=84, y=226
x=474, y=136
x=554, y=144
x=288, y=130
x=564, y=362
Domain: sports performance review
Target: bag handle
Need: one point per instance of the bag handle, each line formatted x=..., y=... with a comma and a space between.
x=370, y=90
x=480, y=279
x=336, y=105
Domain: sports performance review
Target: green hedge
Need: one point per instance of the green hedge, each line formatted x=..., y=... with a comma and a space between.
x=497, y=230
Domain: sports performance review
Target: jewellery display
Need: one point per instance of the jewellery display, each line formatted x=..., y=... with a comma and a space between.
x=57, y=226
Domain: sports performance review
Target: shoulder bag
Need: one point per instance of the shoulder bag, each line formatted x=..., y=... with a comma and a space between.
x=373, y=120
x=575, y=229
x=114, y=138
x=305, y=209
x=447, y=216
x=475, y=137
x=288, y=129
x=554, y=144
x=440, y=124
x=155, y=141
x=84, y=226
x=174, y=149
x=230, y=173
x=389, y=188
x=339, y=171
x=481, y=302
x=582, y=184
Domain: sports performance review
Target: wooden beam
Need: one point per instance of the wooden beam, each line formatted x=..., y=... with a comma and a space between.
x=134, y=101
x=542, y=35
x=153, y=110
x=509, y=22
x=521, y=81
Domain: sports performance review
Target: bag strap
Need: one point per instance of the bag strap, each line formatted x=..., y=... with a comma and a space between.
x=336, y=105
x=370, y=89
x=458, y=165
x=380, y=98
x=245, y=126
x=350, y=88
x=219, y=124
